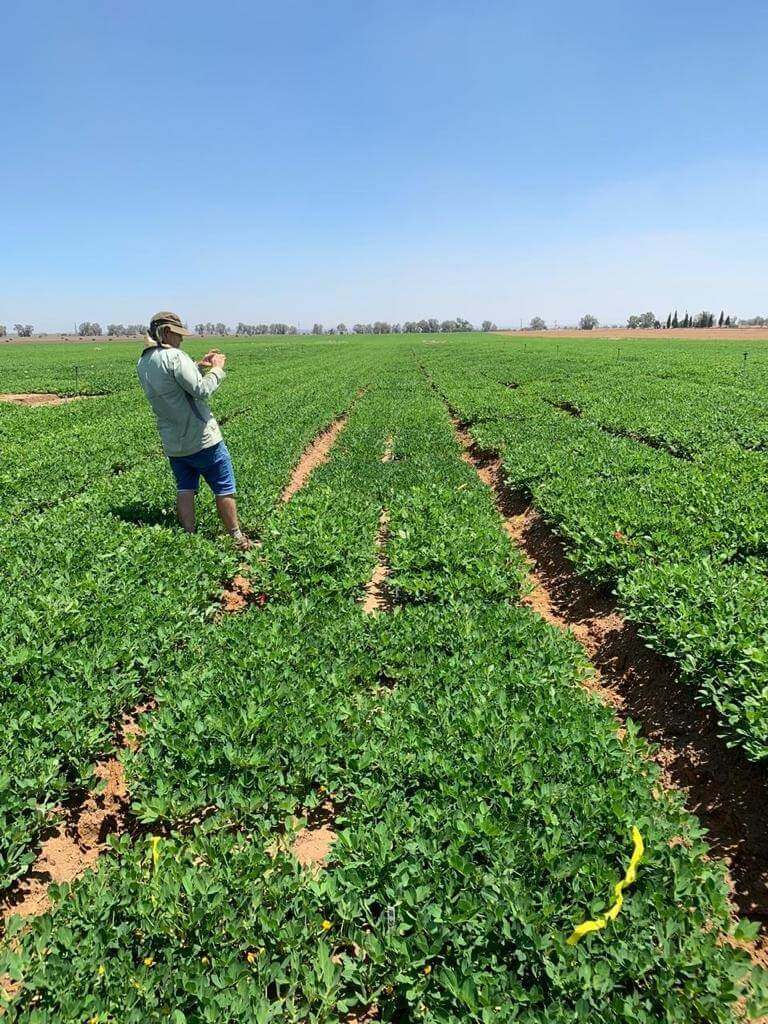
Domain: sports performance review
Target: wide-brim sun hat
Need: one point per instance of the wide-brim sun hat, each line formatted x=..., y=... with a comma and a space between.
x=167, y=319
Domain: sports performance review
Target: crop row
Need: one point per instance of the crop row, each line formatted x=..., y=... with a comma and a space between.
x=99, y=607
x=682, y=543
x=447, y=736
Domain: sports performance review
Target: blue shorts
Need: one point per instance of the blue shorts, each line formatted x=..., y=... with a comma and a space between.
x=213, y=464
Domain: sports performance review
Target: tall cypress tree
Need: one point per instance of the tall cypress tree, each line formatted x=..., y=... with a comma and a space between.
x=669, y=321
x=721, y=321
x=675, y=321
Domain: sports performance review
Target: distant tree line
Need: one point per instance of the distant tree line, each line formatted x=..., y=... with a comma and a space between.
x=23, y=330
x=245, y=330
x=125, y=330
x=90, y=329
x=650, y=320
x=703, y=319
x=429, y=326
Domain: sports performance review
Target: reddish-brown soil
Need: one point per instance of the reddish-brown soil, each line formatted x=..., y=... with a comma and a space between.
x=311, y=846
x=75, y=844
x=314, y=455
x=363, y=1016
x=376, y=596
x=37, y=400
x=237, y=595
x=728, y=793
x=317, y=451
x=737, y=334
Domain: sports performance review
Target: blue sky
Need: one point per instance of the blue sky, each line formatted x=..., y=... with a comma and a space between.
x=354, y=160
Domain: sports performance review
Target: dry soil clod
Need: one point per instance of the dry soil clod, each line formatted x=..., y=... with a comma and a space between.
x=727, y=792
x=237, y=595
x=312, y=844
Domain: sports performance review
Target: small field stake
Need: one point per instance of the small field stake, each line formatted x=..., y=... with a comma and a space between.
x=77, y=380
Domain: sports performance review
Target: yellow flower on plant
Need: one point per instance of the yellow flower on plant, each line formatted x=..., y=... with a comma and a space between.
x=250, y=956
x=101, y=971
x=204, y=960
x=428, y=969
x=327, y=926
x=149, y=961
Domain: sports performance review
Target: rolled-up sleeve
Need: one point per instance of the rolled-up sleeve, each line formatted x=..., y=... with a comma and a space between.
x=188, y=376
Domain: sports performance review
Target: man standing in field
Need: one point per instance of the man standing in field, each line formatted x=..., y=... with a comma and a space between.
x=190, y=435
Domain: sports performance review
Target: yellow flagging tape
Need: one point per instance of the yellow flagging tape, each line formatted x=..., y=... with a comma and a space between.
x=618, y=893
x=154, y=843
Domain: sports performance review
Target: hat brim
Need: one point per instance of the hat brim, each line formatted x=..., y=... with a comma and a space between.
x=178, y=329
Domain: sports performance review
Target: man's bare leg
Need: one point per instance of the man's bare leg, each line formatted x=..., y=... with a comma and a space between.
x=227, y=509
x=185, y=506
x=226, y=506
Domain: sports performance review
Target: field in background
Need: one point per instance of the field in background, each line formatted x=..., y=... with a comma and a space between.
x=390, y=786
x=704, y=335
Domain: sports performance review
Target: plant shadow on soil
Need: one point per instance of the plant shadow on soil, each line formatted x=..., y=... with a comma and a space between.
x=137, y=514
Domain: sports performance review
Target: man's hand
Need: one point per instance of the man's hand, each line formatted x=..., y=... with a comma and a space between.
x=217, y=360
x=205, y=363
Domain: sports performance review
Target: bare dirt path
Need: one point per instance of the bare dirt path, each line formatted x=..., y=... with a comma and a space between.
x=728, y=793
x=35, y=400
x=377, y=598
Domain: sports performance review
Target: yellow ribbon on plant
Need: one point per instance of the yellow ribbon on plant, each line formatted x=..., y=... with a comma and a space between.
x=618, y=893
x=154, y=843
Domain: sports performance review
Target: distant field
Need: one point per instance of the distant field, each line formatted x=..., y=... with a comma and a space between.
x=365, y=773
x=702, y=334
x=65, y=339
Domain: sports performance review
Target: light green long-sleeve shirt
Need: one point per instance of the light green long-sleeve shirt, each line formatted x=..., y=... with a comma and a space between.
x=177, y=391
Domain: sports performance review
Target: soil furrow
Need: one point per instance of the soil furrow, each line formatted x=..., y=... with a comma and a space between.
x=389, y=452
x=317, y=451
x=36, y=400
x=728, y=793
x=659, y=443
x=78, y=840
x=377, y=596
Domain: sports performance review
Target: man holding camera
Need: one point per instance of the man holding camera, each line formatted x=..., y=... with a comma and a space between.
x=191, y=437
